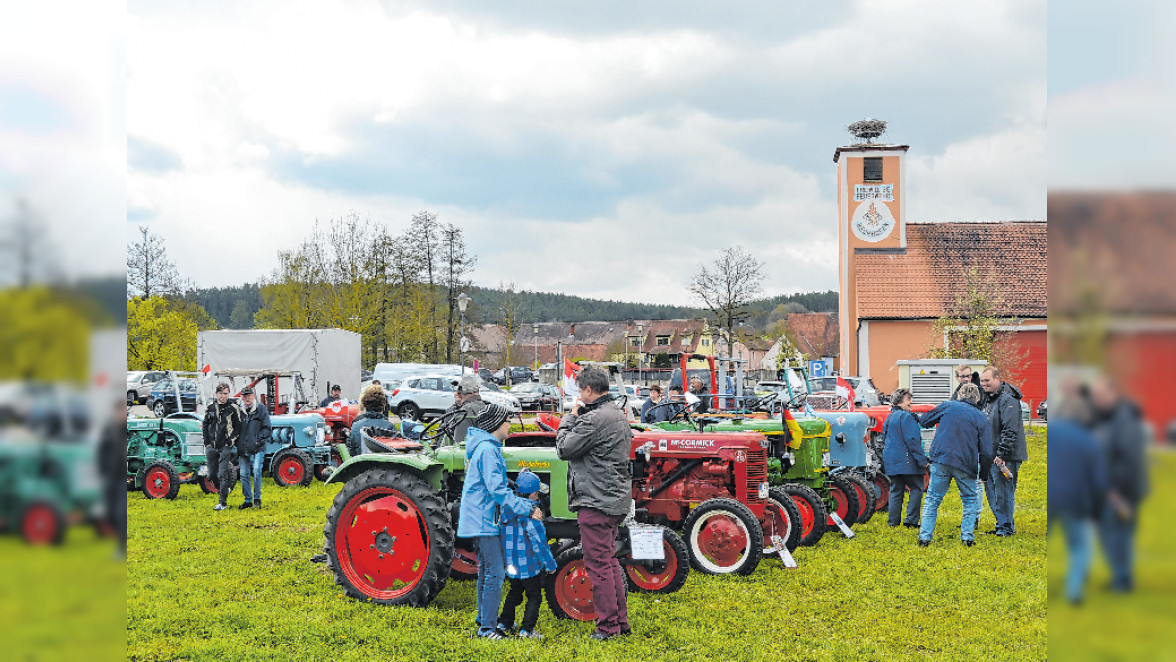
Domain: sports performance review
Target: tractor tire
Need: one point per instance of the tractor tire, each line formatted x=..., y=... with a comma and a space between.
x=882, y=491
x=409, y=410
x=723, y=537
x=207, y=485
x=292, y=468
x=42, y=523
x=792, y=535
x=322, y=472
x=160, y=480
x=666, y=576
x=866, y=497
x=813, y=512
x=465, y=560
x=388, y=539
x=846, y=499
x=569, y=591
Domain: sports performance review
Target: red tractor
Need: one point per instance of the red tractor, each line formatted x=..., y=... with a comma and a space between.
x=339, y=418
x=875, y=443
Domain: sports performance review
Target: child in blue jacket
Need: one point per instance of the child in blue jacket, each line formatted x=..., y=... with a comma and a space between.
x=485, y=501
x=524, y=541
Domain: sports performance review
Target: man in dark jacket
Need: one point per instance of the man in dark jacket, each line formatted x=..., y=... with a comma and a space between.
x=965, y=375
x=336, y=394
x=222, y=429
x=1118, y=428
x=467, y=397
x=903, y=460
x=1076, y=487
x=112, y=466
x=963, y=443
x=255, y=434
x=1002, y=404
x=657, y=415
x=699, y=393
x=595, y=439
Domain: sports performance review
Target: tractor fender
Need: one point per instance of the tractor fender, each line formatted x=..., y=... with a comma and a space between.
x=427, y=467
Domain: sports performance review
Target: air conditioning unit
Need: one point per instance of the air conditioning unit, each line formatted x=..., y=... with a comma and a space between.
x=932, y=381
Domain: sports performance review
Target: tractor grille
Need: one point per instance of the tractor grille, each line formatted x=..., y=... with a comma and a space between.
x=823, y=402
x=757, y=472
x=195, y=449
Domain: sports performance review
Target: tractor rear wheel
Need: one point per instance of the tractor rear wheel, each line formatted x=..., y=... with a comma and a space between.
x=42, y=523
x=813, y=512
x=207, y=484
x=292, y=468
x=779, y=502
x=723, y=537
x=845, y=499
x=882, y=490
x=569, y=590
x=865, y=494
x=665, y=576
x=160, y=481
x=465, y=560
x=388, y=538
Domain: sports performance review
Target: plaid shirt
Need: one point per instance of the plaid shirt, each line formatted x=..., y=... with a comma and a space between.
x=524, y=542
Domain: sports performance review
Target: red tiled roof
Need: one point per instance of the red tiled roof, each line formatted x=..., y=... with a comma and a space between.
x=1115, y=246
x=816, y=334
x=924, y=281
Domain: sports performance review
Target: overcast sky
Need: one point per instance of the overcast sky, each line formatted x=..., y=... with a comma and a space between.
x=605, y=149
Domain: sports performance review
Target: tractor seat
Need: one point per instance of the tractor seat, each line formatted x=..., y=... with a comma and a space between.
x=387, y=440
x=547, y=422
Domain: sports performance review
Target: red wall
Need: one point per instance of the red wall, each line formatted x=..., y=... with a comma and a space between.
x=1030, y=375
x=1142, y=363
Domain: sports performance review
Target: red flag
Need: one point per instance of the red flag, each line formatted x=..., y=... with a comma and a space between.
x=844, y=390
x=569, y=379
x=207, y=367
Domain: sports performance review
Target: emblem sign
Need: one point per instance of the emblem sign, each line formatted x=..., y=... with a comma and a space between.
x=872, y=221
x=740, y=457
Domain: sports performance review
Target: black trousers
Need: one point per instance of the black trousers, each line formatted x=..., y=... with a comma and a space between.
x=220, y=468
x=533, y=589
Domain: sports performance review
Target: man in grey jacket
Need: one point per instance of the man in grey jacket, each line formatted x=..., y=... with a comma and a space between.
x=595, y=439
x=1002, y=404
x=467, y=397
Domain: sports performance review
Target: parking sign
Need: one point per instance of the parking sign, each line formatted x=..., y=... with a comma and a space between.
x=816, y=368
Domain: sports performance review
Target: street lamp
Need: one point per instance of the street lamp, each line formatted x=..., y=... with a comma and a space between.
x=463, y=300
x=640, y=333
x=535, y=326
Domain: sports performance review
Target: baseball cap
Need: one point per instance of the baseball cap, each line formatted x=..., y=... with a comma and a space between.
x=468, y=384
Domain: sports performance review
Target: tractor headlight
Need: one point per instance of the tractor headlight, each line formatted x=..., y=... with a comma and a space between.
x=764, y=443
x=320, y=436
x=763, y=491
x=825, y=460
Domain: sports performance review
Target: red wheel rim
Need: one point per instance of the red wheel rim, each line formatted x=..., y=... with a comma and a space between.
x=808, y=517
x=291, y=470
x=336, y=458
x=573, y=591
x=775, y=522
x=863, y=500
x=883, y=494
x=382, y=543
x=208, y=484
x=841, y=501
x=721, y=540
x=646, y=579
x=157, y=483
x=465, y=561
x=40, y=525
x=186, y=477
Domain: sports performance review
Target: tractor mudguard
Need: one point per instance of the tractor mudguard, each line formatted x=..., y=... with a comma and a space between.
x=425, y=466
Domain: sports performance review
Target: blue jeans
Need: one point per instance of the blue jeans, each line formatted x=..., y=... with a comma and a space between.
x=1078, y=548
x=898, y=486
x=1118, y=543
x=491, y=573
x=941, y=477
x=250, y=466
x=1002, y=497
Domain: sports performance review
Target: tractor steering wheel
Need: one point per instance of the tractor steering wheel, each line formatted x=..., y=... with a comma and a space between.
x=764, y=402
x=443, y=426
x=682, y=410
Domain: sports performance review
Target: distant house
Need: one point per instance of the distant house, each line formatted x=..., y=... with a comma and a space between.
x=817, y=335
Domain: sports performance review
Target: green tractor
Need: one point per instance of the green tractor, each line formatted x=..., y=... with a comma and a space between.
x=390, y=531
x=45, y=485
x=164, y=453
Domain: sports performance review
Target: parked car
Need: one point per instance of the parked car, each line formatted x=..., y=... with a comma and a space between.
x=534, y=396
x=139, y=383
x=864, y=391
x=162, y=398
x=1041, y=410
x=486, y=374
x=430, y=395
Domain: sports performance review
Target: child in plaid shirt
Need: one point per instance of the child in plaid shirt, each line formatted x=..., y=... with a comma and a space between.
x=524, y=542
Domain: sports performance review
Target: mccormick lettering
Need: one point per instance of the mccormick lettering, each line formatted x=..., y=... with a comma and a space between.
x=694, y=443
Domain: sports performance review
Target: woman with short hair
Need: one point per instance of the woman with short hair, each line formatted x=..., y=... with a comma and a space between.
x=903, y=460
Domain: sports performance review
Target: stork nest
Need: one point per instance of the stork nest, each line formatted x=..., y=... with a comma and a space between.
x=867, y=129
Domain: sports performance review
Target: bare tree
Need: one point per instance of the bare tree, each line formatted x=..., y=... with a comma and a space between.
x=510, y=319
x=728, y=286
x=457, y=263
x=149, y=271
x=423, y=241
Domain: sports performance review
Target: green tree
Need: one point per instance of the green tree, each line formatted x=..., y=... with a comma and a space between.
x=160, y=336
x=970, y=326
x=44, y=336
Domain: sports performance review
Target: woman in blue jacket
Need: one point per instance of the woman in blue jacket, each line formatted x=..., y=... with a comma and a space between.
x=484, y=498
x=903, y=460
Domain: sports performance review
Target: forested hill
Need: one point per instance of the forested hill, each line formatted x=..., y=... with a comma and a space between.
x=233, y=307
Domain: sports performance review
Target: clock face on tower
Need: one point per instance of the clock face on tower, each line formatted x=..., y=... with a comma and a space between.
x=872, y=221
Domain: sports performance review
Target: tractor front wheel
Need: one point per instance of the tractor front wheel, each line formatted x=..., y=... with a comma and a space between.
x=160, y=481
x=786, y=520
x=42, y=523
x=845, y=499
x=813, y=512
x=724, y=537
x=882, y=489
x=867, y=500
x=292, y=468
x=569, y=590
x=389, y=539
x=664, y=576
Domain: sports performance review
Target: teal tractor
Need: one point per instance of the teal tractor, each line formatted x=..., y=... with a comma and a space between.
x=390, y=531
x=165, y=453
x=299, y=449
x=46, y=485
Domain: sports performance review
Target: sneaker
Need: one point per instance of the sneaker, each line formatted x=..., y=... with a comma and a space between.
x=911, y=526
x=530, y=634
x=600, y=636
x=924, y=543
x=493, y=635
x=219, y=506
x=244, y=506
x=970, y=543
x=257, y=503
x=992, y=532
x=625, y=632
x=502, y=629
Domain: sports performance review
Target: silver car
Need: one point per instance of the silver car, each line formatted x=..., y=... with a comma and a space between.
x=430, y=395
x=139, y=383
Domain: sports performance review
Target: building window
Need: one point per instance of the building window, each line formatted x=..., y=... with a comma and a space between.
x=686, y=339
x=873, y=169
x=663, y=340
x=706, y=342
x=634, y=342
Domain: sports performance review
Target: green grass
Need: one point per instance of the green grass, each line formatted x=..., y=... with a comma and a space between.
x=1110, y=626
x=238, y=585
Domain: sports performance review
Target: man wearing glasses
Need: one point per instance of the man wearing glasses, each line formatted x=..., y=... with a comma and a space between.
x=964, y=375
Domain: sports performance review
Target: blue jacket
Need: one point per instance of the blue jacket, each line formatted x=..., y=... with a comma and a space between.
x=255, y=429
x=662, y=414
x=1077, y=478
x=485, y=498
x=368, y=419
x=904, y=445
x=963, y=439
x=524, y=545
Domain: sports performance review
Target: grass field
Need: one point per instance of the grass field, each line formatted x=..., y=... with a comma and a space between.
x=239, y=585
